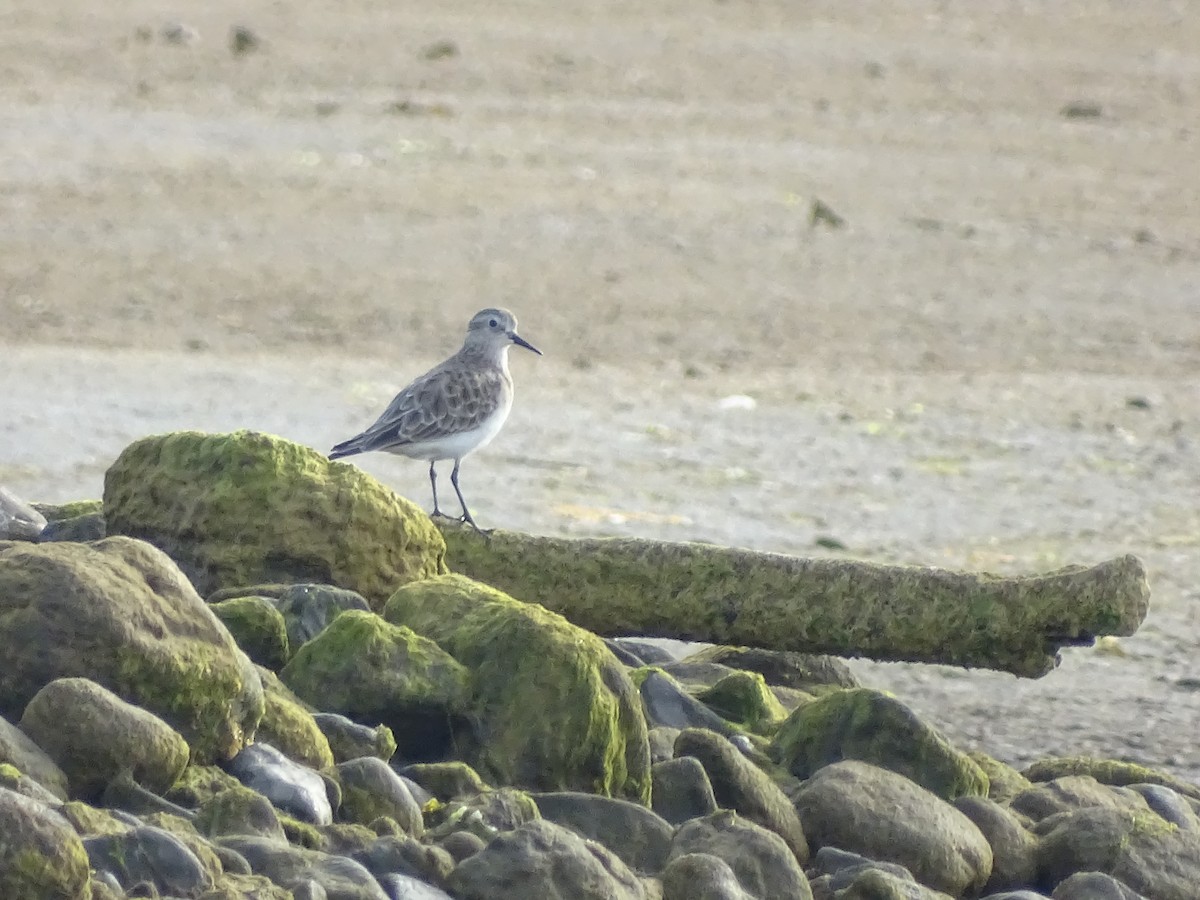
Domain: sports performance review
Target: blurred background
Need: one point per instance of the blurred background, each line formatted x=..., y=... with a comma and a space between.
x=909, y=282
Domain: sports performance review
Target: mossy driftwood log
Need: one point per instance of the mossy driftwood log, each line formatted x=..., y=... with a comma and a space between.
x=702, y=592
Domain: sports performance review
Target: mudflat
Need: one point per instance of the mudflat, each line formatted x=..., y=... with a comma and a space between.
x=920, y=279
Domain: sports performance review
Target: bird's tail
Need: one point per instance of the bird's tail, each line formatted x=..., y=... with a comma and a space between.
x=347, y=448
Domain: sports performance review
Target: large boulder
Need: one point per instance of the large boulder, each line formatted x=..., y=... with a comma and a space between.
x=763, y=863
x=248, y=508
x=701, y=876
x=120, y=613
x=876, y=728
x=41, y=856
x=884, y=816
x=373, y=671
x=1150, y=855
x=95, y=736
x=641, y=838
x=544, y=860
x=554, y=709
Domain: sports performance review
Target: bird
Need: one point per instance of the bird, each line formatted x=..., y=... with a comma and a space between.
x=453, y=409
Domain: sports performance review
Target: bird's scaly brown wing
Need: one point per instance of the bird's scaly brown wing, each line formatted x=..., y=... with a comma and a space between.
x=447, y=400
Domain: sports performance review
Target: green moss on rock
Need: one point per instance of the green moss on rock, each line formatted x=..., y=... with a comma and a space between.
x=41, y=856
x=1108, y=771
x=89, y=821
x=876, y=728
x=1004, y=782
x=555, y=710
x=258, y=628
x=95, y=736
x=301, y=833
x=446, y=780
x=238, y=810
x=744, y=699
x=289, y=727
x=247, y=508
x=120, y=613
x=199, y=784
x=371, y=670
x=58, y=512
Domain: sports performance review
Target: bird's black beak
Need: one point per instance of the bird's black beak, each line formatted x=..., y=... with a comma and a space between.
x=521, y=342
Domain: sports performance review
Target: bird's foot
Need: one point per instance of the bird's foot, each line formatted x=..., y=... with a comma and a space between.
x=467, y=520
x=464, y=519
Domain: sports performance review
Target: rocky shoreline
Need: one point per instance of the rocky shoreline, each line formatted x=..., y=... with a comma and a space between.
x=262, y=680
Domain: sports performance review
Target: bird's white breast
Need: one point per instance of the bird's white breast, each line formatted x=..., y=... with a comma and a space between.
x=456, y=446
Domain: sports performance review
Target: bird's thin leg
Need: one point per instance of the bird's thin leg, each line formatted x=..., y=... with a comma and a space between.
x=466, y=516
x=433, y=484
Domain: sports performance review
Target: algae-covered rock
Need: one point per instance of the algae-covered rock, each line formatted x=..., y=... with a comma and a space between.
x=544, y=860
x=94, y=736
x=374, y=671
x=199, y=784
x=41, y=856
x=1004, y=782
x=446, y=780
x=247, y=508
x=701, y=876
x=744, y=698
x=1150, y=855
x=258, y=628
x=289, y=727
x=554, y=708
x=1071, y=792
x=885, y=817
x=239, y=810
x=762, y=862
x=81, y=520
x=1108, y=771
x=682, y=790
x=876, y=728
x=88, y=820
x=639, y=836
x=120, y=613
x=57, y=512
x=1013, y=846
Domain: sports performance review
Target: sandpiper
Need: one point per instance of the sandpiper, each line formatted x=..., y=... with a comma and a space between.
x=454, y=408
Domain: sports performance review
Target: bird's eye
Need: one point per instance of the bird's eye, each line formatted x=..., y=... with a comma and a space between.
x=493, y=323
